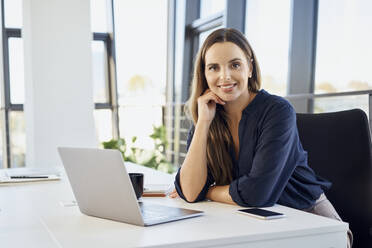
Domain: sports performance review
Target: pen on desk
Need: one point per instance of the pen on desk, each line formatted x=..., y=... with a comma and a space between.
x=154, y=194
x=27, y=177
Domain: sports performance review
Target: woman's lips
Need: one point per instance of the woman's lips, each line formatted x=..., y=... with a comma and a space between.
x=227, y=87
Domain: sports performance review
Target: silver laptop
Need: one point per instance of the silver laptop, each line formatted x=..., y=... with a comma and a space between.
x=102, y=188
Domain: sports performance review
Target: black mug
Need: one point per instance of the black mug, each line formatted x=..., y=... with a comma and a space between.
x=137, y=182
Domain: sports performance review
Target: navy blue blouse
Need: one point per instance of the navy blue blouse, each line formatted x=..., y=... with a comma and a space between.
x=272, y=165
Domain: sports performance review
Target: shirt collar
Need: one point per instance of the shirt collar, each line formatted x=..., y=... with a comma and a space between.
x=256, y=101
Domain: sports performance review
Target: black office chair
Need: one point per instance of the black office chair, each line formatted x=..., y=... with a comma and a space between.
x=339, y=149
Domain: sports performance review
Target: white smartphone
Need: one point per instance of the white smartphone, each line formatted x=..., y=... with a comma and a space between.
x=261, y=213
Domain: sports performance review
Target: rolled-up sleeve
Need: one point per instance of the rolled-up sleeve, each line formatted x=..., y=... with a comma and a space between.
x=274, y=160
x=203, y=193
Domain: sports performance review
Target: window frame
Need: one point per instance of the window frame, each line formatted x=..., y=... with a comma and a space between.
x=6, y=104
x=105, y=38
x=109, y=40
x=301, y=62
x=111, y=84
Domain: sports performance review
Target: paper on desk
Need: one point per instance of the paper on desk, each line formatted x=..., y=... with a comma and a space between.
x=157, y=189
x=48, y=173
x=71, y=203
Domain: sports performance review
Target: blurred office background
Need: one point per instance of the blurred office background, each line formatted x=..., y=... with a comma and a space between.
x=316, y=53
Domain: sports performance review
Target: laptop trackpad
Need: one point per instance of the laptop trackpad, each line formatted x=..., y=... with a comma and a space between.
x=155, y=214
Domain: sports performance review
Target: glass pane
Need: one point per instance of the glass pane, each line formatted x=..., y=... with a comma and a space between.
x=103, y=121
x=100, y=72
x=1, y=139
x=99, y=16
x=141, y=64
x=204, y=35
x=16, y=71
x=138, y=121
x=210, y=7
x=331, y=104
x=17, y=139
x=343, y=60
x=13, y=13
x=267, y=30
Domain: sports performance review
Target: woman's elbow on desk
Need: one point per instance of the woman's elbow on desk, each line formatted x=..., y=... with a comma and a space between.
x=186, y=194
x=174, y=194
x=255, y=201
x=220, y=194
x=249, y=198
x=190, y=197
x=191, y=188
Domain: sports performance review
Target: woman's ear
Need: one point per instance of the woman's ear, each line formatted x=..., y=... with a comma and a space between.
x=250, y=68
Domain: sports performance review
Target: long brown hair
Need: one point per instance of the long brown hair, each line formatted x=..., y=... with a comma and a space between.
x=219, y=137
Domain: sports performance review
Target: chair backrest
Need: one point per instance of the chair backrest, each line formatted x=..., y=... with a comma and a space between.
x=339, y=149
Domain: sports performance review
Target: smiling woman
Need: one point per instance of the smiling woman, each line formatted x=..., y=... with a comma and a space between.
x=244, y=146
x=226, y=70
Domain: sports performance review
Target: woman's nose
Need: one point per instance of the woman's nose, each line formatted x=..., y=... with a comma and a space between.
x=225, y=75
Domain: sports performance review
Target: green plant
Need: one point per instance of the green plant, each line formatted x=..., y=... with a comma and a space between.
x=154, y=158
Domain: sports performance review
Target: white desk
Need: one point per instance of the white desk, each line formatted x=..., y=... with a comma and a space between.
x=32, y=216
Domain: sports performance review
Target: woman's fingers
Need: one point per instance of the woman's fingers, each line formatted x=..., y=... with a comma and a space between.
x=210, y=96
x=220, y=101
x=173, y=194
x=216, y=99
x=207, y=105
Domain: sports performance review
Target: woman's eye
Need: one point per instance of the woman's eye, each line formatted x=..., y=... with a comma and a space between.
x=236, y=65
x=212, y=68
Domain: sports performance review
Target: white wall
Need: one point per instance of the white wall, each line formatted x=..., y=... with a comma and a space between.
x=58, y=78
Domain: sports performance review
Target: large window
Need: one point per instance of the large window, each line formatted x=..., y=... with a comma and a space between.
x=103, y=67
x=343, y=60
x=141, y=52
x=12, y=94
x=13, y=13
x=204, y=35
x=12, y=126
x=338, y=103
x=343, y=53
x=100, y=71
x=211, y=7
x=16, y=75
x=267, y=30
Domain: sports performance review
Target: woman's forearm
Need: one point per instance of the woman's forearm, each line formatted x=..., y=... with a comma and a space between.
x=220, y=194
x=193, y=174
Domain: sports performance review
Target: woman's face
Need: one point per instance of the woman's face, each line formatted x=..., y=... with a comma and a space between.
x=227, y=71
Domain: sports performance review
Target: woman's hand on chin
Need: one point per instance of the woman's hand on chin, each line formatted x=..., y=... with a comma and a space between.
x=207, y=106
